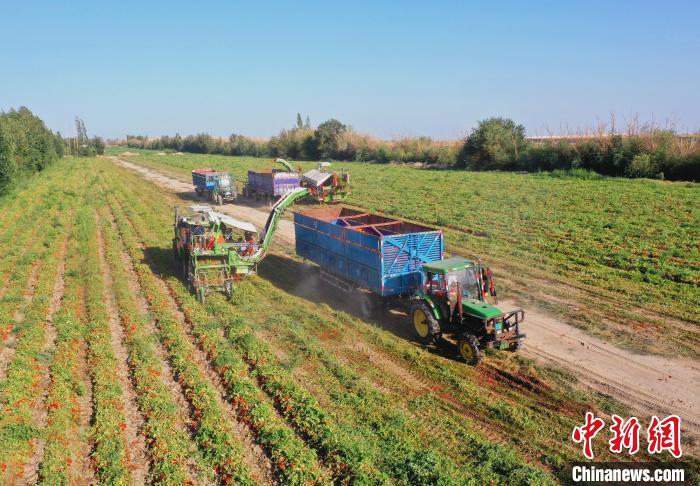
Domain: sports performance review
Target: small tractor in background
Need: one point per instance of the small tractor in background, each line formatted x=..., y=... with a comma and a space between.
x=218, y=186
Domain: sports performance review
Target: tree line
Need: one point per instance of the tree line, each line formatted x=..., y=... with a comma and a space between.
x=495, y=144
x=26, y=146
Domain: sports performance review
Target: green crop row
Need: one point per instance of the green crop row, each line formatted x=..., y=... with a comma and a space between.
x=168, y=444
x=20, y=390
x=68, y=386
x=213, y=432
x=297, y=327
x=294, y=463
x=109, y=421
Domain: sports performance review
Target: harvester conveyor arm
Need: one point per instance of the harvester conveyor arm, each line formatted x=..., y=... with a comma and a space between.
x=276, y=214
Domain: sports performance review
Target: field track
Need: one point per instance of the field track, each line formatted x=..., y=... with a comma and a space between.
x=647, y=384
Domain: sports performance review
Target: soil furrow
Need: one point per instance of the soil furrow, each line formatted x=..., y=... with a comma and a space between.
x=184, y=408
x=136, y=445
x=31, y=469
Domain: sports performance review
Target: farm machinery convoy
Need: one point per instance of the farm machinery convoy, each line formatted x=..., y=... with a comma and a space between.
x=381, y=261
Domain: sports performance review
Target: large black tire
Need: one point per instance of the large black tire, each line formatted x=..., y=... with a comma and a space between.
x=425, y=326
x=368, y=305
x=516, y=346
x=468, y=347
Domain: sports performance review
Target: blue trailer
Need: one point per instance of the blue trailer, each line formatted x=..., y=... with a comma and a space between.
x=383, y=260
x=364, y=251
x=218, y=186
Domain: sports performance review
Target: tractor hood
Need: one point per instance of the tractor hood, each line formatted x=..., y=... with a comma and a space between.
x=480, y=309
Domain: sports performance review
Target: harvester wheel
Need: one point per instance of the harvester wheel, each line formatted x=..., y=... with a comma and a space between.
x=424, y=323
x=468, y=348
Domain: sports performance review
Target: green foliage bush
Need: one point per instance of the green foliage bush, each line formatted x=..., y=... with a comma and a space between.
x=496, y=143
x=26, y=146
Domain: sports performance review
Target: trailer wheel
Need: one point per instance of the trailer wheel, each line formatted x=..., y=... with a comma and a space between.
x=468, y=348
x=368, y=305
x=425, y=325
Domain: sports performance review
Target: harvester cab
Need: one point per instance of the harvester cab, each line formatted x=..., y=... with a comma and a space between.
x=453, y=298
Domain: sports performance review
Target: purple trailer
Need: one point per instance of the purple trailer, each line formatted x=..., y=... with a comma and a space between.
x=270, y=183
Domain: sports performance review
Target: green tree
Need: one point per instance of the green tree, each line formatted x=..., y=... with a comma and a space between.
x=496, y=144
x=327, y=138
x=300, y=124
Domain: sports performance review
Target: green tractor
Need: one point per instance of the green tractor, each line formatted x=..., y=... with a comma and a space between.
x=453, y=299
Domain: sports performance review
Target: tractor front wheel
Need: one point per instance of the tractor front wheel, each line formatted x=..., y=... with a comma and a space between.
x=468, y=347
x=425, y=325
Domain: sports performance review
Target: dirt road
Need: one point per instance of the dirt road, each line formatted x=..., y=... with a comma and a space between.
x=648, y=385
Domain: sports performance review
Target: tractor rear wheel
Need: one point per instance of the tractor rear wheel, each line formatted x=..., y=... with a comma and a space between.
x=425, y=325
x=468, y=347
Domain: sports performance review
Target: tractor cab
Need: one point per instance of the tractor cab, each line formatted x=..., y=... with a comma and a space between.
x=454, y=299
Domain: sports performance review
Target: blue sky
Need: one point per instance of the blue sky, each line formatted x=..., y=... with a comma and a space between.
x=386, y=68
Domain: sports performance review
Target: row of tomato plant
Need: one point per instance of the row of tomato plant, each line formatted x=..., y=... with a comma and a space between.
x=374, y=408
x=108, y=421
x=68, y=386
x=20, y=391
x=213, y=432
x=169, y=446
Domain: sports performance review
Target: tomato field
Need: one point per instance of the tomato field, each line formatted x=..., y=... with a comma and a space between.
x=619, y=258
x=113, y=372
